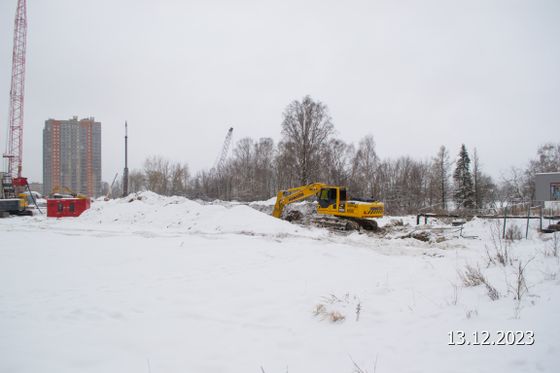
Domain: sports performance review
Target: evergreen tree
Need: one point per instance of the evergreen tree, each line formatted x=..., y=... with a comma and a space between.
x=463, y=194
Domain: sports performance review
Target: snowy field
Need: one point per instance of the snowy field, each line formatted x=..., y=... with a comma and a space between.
x=169, y=285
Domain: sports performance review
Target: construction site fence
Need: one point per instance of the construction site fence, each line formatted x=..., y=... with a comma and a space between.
x=522, y=211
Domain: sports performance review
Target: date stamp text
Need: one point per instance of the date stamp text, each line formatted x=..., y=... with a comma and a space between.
x=486, y=338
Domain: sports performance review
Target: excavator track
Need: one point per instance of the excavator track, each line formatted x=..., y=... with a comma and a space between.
x=344, y=224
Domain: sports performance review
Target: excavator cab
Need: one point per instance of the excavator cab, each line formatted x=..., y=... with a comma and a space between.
x=332, y=199
x=328, y=197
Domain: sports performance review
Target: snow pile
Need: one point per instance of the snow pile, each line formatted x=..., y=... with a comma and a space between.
x=147, y=210
x=269, y=202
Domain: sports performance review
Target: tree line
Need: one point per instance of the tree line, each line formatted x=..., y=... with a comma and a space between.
x=309, y=152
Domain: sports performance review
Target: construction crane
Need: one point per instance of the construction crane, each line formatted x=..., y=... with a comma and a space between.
x=14, y=148
x=221, y=161
x=12, y=181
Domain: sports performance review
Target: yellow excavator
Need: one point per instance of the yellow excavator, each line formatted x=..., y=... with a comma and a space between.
x=332, y=200
x=63, y=191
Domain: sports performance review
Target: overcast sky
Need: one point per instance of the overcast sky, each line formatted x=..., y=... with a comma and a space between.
x=414, y=74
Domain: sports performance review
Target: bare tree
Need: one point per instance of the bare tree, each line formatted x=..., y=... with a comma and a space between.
x=286, y=168
x=136, y=181
x=242, y=169
x=441, y=169
x=307, y=126
x=157, y=170
x=515, y=186
x=337, y=161
x=179, y=178
x=548, y=159
x=483, y=185
x=364, y=168
x=265, y=182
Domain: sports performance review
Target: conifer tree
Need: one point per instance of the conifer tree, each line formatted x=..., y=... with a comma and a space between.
x=463, y=194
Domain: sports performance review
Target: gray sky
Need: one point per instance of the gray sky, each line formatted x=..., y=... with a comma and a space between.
x=414, y=74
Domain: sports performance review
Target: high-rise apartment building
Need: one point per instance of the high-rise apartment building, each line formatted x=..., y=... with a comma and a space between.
x=72, y=156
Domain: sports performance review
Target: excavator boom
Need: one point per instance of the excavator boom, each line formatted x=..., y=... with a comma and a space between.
x=292, y=195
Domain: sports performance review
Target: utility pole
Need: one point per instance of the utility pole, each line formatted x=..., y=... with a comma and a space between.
x=125, y=173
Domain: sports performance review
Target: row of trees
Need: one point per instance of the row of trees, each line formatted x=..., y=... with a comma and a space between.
x=309, y=151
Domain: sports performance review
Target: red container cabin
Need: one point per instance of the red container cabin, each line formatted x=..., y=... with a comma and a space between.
x=60, y=207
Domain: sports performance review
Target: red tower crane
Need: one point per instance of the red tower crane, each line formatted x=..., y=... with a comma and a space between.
x=14, y=147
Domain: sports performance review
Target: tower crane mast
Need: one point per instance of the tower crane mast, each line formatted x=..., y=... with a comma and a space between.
x=14, y=146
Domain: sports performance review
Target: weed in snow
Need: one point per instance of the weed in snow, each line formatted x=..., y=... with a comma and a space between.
x=499, y=252
x=474, y=277
x=553, y=246
x=332, y=308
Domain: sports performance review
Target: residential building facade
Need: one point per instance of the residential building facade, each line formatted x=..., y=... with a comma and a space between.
x=72, y=156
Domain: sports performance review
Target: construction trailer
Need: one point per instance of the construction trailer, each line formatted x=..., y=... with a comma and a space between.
x=66, y=207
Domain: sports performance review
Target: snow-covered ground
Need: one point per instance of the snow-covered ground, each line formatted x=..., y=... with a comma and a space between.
x=156, y=284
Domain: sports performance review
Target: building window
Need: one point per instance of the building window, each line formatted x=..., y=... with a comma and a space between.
x=555, y=191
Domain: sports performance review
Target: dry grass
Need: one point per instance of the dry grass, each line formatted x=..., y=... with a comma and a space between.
x=513, y=233
x=553, y=247
x=473, y=277
x=520, y=285
x=334, y=308
x=332, y=316
x=335, y=316
x=499, y=251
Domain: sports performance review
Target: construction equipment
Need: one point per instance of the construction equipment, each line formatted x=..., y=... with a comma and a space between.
x=12, y=181
x=351, y=214
x=14, y=149
x=110, y=190
x=221, y=161
x=12, y=202
x=65, y=192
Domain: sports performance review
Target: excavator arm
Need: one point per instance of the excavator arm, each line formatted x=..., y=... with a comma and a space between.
x=285, y=197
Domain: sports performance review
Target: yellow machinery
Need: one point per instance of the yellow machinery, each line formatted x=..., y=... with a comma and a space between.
x=333, y=200
x=60, y=192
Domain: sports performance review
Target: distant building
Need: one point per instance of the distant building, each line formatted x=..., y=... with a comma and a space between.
x=547, y=186
x=72, y=156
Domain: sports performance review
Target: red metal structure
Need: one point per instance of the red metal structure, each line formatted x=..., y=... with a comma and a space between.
x=14, y=148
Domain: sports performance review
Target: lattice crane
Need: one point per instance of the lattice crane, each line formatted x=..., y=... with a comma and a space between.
x=221, y=161
x=14, y=147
